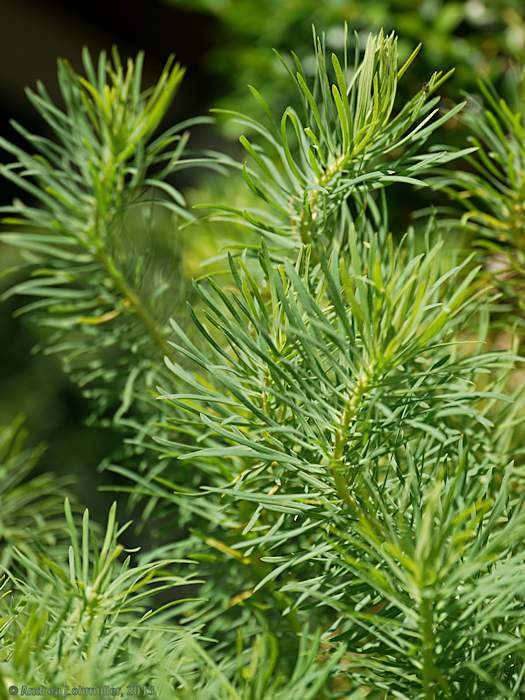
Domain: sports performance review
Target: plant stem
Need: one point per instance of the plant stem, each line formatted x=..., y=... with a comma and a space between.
x=427, y=615
x=135, y=302
x=341, y=438
x=310, y=213
x=98, y=237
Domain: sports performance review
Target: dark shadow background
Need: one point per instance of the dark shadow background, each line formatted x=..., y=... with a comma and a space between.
x=34, y=33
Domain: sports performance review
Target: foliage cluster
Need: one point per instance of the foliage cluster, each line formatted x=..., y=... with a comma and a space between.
x=325, y=447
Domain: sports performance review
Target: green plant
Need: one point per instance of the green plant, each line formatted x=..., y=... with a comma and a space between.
x=103, y=297
x=347, y=143
x=76, y=621
x=492, y=190
x=328, y=445
x=31, y=505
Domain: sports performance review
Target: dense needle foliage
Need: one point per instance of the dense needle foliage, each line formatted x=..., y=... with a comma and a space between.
x=324, y=443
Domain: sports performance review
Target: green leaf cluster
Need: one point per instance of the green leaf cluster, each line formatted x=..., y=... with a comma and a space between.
x=326, y=449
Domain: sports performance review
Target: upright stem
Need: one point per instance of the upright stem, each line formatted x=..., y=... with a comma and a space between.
x=311, y=214
x=341, y=437
x=135, y=302
x=427, y=615
x=99, y=236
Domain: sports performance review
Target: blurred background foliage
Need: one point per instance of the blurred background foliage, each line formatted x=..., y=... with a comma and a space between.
x=475, y=37
x=225, y=45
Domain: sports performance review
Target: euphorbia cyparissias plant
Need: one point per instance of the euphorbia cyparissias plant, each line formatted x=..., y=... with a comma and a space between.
x=324, y=448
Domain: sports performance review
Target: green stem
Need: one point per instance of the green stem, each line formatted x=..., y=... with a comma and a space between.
x=309, y=214
x=135, y=302
x=348, y=416
x=427, y=615
x=98, y=237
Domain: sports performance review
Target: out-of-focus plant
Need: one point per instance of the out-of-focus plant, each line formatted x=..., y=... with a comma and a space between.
x=95, y=288
x=99, y=232
x=492, y=191
x=476, y=36
x=73, y=620
x=30, y=505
